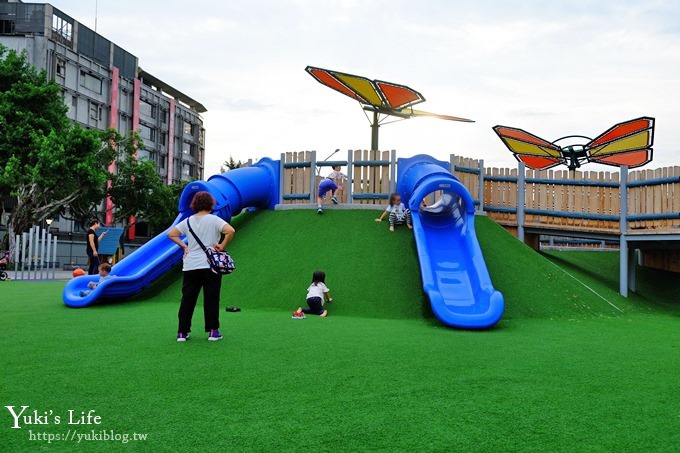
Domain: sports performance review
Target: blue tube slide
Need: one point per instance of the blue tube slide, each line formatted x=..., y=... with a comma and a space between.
x=453, y=271
x=248, y=187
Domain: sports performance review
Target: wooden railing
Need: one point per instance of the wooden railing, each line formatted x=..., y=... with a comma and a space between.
x=370, y=176
x=559, y=199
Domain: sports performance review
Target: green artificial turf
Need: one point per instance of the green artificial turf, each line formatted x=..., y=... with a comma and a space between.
x=563, y=371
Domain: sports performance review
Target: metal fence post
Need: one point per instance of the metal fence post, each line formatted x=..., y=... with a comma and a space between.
x=281, y=171
x=54, y=257
x=623, y=229
x=521, y=199
x=393, y=171
x=312, y=171
x=17, y=245
x=350, y=175
x=481, y=185
x=48, y=254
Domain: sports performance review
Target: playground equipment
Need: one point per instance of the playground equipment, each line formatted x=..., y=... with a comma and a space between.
x=377, y=96
x=255, y=186
x=625, y=144
x=452, y=267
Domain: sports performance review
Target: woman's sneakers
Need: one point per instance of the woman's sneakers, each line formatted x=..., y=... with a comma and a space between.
x=182, y=336
x=215, y=335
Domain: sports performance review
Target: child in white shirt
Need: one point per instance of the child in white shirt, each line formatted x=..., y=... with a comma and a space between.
x=317, y=294
x=397, y=213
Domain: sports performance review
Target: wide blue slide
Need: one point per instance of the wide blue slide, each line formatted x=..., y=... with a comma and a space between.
x=453, y=271
x=249, y=187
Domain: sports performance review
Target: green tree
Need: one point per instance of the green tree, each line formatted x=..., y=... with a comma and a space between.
x=46, y=161
x=136, y=189
x=230, y=164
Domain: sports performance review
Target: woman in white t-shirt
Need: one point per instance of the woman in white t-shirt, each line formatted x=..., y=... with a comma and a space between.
x=196, y=269
x=317, y=294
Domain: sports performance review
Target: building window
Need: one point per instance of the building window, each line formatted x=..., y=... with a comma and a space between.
x=147, y=109
x=201, y=137
x=61, y=67
x=187, y=170
x=147, y=133
x=188, y=128
x=95, y=113
x=163, y=139
x=62, y=30
x=186, y=148
x=7, y=27
x=164, y=116
x=90, y=82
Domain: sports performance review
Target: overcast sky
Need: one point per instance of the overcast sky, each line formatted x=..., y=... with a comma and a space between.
x=554, y=68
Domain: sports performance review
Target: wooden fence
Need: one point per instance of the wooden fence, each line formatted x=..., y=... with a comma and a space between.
x=370, y=176
x=581, y=201
x=588, y=201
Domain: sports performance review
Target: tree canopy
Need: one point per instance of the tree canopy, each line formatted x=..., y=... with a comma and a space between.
x=46, y=161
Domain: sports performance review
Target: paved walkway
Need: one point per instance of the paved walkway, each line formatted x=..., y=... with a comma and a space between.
x=59, y=274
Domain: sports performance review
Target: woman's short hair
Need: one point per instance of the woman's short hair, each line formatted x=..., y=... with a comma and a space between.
x=202, y=201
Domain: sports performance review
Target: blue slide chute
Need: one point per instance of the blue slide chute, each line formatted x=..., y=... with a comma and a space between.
x=256, y=186
x=453, y=271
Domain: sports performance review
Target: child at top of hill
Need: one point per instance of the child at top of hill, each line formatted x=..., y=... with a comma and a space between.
x=397, y=213
x=332, y=183
x=104, y=274
x=317, y=294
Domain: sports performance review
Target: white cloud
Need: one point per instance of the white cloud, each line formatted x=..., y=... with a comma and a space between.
x=553, y=68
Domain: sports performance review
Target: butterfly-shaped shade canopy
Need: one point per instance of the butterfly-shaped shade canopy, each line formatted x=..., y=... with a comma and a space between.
x=377, y=95
x=628, y=143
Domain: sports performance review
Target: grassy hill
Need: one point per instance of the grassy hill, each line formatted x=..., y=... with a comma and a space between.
x=563, y=371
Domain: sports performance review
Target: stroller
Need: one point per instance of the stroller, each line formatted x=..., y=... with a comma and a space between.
x=4, y=260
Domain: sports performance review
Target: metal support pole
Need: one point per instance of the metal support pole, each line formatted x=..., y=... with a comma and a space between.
x=521, y=199
x=281, y=178
x=374, y=131
x=632, y=269
x=24, y=238
x=350, y=176
x=623, y=229
x=17, y=245
x=481, y=186
x=312, y=176
x=30, y=253
x=48, y=254
x=393, y=171
x=43, y=243
x=54, y=257
x=36, y=252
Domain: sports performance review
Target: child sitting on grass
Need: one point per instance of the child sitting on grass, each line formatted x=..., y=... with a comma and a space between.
x=104, y=274
x=397, y=213
x=317, y=294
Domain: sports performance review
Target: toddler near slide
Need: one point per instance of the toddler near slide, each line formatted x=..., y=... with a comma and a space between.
x=397, y=213
x=104, y=274
x=317, y=294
